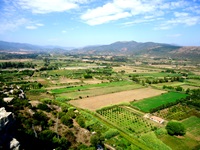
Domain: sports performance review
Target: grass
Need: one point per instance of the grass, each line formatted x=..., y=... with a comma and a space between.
x=192, y=125
x=99, y=91
x=147, y=104
x=193, y=82
x=152, y=141
x=91, y=86
x=177, y=143
x=173, y=84
x=159, y=74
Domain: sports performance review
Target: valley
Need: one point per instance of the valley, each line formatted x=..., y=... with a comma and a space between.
x=81, y=99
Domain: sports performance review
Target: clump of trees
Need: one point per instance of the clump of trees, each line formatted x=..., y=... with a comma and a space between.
x=5, y=65
x=175, y=128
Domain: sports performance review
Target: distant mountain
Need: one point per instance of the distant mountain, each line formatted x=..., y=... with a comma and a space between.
x=128, y=48
x=117, y=48
x=11, y=46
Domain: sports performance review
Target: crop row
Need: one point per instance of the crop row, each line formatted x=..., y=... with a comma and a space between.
x=126, y=119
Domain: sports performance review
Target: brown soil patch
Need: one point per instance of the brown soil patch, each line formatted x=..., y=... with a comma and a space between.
x=16, y=60
x=67, y=80
x=94, y=103
x=94, y=81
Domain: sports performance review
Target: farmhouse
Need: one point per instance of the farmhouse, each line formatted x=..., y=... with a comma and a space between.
x=157, y=119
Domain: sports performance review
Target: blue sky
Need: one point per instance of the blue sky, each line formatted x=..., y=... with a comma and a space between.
x=77, y=23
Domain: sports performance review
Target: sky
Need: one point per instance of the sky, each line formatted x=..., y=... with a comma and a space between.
x=78, y=23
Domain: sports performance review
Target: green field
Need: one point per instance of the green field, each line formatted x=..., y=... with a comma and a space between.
x=158, y=74
x=76, y=92
x=126, y=120
x=152, y=141
x=188, y=142
x=90, y=86
x=192, y=125
x=173, y=84
x=147, y=104
x=98, y=91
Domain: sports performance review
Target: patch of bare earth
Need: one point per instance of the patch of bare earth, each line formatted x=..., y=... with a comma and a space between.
x=97, y=102
x=82, y=135
x=67, y=80
x=16, y=60
x=94, y=81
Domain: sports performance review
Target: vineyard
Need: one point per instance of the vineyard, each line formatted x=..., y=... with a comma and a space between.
x=126, y=120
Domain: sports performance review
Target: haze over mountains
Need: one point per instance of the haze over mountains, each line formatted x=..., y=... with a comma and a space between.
x=117, y=48
x=12, y=46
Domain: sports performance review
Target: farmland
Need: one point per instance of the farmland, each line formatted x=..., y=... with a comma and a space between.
x=149, y=103
x=115, y=98
x=193, y=127
x=127, y=120
x=93, y=97
x=134, y=125
x=191, y=139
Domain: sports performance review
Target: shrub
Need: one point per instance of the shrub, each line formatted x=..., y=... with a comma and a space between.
x=44, y=107
x=67, y=121
x=111, y=133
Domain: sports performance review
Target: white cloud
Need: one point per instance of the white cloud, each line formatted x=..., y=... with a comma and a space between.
x=180, y=18
x=118, y=9
x=48, y=6
x=180, y=14
x=31, y=27
x=64, y=31
x=11, y=25
x=34, y=26
x=39, y=24
x=175, y=35
x=184, y=18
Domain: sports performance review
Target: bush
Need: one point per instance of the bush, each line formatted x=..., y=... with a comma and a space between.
x=87, y=76
x=111, y=133
x=80, y=120
x=67, y=121
x=44, y=107
x=175, y=128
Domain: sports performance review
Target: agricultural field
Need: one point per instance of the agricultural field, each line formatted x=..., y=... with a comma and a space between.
x=105, y=98
x=136, y=70
x=92, y=86
x=127, y=120
x=173, y=84
x=134, y=125
x=115, y=98
x=194, y=82
x=177, y=112
x=146, y=105
x=190, y=141
x=193, y=127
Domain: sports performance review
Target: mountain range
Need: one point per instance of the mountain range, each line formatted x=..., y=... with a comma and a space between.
x=11, y=46
x=117, y=48
x=128, y=48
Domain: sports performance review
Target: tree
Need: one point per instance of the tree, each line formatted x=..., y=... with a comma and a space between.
x=66, y=120
x=175, y=128
x=96, y=139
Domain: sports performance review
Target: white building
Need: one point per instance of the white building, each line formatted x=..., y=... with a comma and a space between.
x=157, y=119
